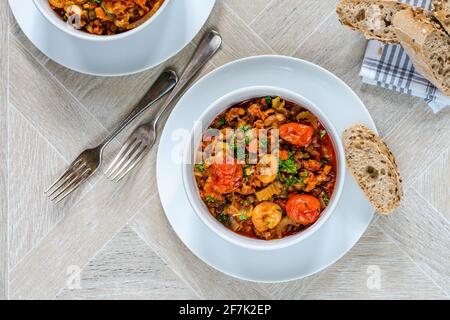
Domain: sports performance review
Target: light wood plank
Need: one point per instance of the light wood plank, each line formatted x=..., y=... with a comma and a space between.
x=4, y=57
x=247, y=10
x=128, y=269
x=87, y=227
x=374, y=269
x=49, y=107
x=418, y=140
x=285, y=25
x=424, y=235
x=33, y=163
x=239, y=41
x=434, y=184
x=152, y=225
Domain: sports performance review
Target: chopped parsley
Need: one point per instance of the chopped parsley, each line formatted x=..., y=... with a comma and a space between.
x=322, y=133
x=221, y=122
x=325, y=199
x=288, y=166
x=243, y=217
x=200, y=167
x=223, y=218
x=245, y=128
x=269, y=101
x=210, y=199
x=291, y=181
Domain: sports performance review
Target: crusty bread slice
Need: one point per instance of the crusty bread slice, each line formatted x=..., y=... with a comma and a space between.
x=373, y=166
x=361, y=132
x=372, y=17
x=441, y=9
x=427, y=45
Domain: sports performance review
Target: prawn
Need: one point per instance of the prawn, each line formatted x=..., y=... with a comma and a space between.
x=266, y=215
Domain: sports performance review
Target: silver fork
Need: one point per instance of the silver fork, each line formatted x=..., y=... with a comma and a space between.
x=144, y=137
x=89, y=160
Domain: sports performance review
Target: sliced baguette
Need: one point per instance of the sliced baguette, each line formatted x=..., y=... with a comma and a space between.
x=373, y=166
x=427, y=45
x=441, y=9
x=372, y=17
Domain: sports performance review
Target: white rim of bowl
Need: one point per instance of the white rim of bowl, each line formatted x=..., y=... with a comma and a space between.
x=259, y=244
x=92, y=37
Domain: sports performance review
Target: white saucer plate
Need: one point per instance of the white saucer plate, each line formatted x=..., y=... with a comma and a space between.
x=338, y=234
x=161, y=40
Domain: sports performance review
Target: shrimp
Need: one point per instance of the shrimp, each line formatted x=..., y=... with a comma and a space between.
x=266, y=215
x=267, y=168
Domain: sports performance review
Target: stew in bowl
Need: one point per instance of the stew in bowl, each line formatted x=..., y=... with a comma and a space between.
x=267, y=167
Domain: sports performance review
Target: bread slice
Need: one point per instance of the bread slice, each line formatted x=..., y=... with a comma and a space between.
x=359, y=131
x=372, y=17
x=373, y=166
x=441, y=9
x=427, y=45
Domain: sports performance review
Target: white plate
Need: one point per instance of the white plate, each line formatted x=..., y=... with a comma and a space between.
x=165, y=37
x=341, y=231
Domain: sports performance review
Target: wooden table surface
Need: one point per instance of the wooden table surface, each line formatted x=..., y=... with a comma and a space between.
x=115, y=238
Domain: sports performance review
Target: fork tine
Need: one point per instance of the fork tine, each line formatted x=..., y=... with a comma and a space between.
x=73, y=176
x=131, y=163
x=69, y=188
x=64, y=176
x=128, y=144
x=69, y=178
x=130, y=151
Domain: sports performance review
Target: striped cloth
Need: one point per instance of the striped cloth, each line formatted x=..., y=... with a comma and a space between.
x=389, y=66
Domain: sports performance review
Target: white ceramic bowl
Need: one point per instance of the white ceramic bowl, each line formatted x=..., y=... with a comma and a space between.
x=190, y=184
x=44, y=7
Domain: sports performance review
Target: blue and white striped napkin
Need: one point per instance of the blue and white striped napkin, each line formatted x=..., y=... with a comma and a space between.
x=388, y=66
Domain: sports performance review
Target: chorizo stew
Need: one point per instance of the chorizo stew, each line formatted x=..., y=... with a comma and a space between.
x=267, y=168
x=106, y=17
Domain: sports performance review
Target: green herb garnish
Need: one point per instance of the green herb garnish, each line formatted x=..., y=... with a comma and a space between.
x=221, y=122
x=288, y=166
x=210, y=199
x=322, y=133
x=325, y=199
x=243, y=217
x=324, y=161
x=223, y=218
x=200, y=167
x=269, y=101
x=291, y=181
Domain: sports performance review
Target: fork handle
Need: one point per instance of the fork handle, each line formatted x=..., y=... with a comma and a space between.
x=206, y=49
x=165, y=82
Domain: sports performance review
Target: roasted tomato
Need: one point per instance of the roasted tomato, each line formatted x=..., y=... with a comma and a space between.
x=303, y=208
x=225, y=177
x=298, y=134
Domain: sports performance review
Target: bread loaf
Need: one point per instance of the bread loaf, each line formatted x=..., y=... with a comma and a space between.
x=441, y=9
x=427, y=45
x=372, y=17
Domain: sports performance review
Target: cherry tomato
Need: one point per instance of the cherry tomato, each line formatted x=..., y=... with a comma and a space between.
x=297, y=134
x=303, y=208
x=225, y=177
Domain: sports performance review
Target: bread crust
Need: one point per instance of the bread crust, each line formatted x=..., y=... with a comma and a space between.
x=413, y=27
x=369, y=34
x=365, y=150
x=441, y=9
